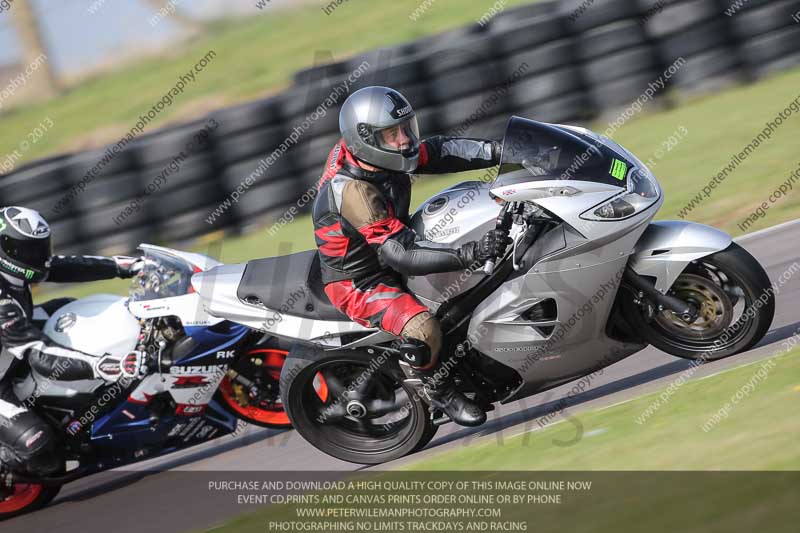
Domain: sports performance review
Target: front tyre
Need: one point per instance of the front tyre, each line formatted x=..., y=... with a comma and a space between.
x=736, y=306
x=21, y=498
x=351, y=410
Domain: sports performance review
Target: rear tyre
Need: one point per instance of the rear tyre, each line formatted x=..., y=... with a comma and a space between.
x=430, y=432
x=736, y=306
x=349, y=409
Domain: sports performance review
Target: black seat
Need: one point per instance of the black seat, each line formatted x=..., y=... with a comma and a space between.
x=290, y=284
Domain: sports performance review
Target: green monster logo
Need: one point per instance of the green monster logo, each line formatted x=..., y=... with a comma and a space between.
x=618, y=169
x=11, y=267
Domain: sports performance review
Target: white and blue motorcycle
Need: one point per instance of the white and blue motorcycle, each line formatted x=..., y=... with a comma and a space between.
x=201, y=375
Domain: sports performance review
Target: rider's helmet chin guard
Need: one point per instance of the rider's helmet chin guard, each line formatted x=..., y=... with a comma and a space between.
x=373, y=121
x=25, y=247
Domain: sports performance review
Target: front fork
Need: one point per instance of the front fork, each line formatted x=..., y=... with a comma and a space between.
x=687, y=311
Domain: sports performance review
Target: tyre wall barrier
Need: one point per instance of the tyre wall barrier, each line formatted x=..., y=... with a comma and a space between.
x=249, y=164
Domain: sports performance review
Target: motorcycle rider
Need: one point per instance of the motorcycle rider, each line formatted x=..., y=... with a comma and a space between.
x=361, y=222
x=26, y=441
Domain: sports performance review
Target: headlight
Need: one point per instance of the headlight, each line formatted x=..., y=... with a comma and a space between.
x=642, y=193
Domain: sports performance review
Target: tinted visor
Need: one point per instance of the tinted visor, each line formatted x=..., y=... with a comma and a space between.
x=32, y=253
x=402, y=138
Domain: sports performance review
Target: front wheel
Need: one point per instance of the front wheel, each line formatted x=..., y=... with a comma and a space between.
x=353, y=409
x=735, y=300
x=20, y=498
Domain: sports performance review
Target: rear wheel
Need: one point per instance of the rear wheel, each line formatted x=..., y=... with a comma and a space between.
x=262, y=404
x=353, y=411
x=736, y=305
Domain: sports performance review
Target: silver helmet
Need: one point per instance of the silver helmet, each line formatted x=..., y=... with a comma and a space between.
x=379, y=127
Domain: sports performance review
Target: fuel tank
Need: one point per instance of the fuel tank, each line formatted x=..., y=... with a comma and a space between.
x=454, y=216
x=99, y=324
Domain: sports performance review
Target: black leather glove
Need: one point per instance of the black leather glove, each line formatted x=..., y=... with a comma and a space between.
x=127, y=267
x=492, y=245
x=111, y=368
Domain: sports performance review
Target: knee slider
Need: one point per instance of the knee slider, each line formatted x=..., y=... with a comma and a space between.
x=415, y=352
x=424, y=328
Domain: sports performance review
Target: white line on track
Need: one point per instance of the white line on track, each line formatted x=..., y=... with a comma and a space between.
x=748, y=236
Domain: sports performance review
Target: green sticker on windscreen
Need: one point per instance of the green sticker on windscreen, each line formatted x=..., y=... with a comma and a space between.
x=618, y=169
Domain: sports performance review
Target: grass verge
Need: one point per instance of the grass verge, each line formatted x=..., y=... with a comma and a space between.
x=622, y=461
x=757, y=432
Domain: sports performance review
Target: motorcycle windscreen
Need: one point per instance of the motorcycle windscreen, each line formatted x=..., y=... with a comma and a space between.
x=547, y=152
x=163, y=276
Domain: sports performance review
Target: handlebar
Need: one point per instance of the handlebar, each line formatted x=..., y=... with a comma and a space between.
x=503, y=223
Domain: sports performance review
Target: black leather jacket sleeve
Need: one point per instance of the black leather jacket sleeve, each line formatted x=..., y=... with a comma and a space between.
x=407, y=255
x=450, y=154
x=397, y=246
x=23, y=340
x=78, y=268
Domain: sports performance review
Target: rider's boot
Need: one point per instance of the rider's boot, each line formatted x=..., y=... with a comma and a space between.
x=420, y=349
x=440, y=389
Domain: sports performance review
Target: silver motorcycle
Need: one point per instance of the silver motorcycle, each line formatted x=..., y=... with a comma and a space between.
x=589, y=280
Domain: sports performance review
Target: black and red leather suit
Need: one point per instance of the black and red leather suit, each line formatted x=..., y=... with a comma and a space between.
x=361, y=223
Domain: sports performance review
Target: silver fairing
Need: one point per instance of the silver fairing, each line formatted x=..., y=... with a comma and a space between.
x=459, y=214
x=578, y=267
x=581, y=277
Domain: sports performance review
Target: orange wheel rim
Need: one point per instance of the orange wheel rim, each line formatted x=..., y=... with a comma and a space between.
x=273, y=360
x=22, y=497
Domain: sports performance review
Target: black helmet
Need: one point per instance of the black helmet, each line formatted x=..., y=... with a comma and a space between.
x=368, y=119
x=25, y=247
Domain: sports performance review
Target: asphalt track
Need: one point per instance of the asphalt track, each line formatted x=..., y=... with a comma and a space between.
x=171, y=493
